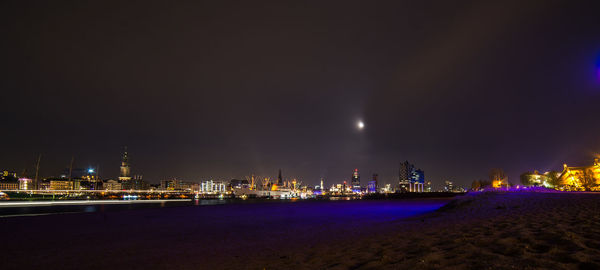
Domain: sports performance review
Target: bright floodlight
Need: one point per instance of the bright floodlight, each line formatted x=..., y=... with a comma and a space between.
x=360, y=125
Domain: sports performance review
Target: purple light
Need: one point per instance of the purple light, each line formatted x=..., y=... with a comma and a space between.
x=598, y=69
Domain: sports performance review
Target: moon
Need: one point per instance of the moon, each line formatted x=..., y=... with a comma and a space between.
x=360, y=125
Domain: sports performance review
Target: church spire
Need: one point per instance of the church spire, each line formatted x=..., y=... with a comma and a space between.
x=125, y=174
x=125, y=161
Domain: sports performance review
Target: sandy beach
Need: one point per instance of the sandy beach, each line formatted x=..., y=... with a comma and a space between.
x=481, y=231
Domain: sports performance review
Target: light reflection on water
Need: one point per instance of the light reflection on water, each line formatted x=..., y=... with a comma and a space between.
x=57, y=209
x=210, y=202
x=338, y=206
x=89, y=208
x=340, y=198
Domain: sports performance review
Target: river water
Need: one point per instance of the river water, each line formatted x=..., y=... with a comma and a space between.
x=202, y=234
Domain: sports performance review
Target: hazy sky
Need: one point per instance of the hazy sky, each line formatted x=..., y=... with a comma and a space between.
x=225, y=89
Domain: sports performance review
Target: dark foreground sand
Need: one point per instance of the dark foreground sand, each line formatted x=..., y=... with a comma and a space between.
x=483, y=231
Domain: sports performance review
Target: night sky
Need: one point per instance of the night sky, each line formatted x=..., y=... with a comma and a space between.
x=225, y=89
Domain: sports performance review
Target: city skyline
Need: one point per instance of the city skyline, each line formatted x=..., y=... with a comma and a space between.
x=125, y=174
x=222, y=91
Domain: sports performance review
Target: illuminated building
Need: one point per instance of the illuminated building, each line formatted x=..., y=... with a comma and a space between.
x=405, y=174
x=9, y=185
x=125, y=174
x=417, y=181
x=448, y=186
x=175, y=184
x=320, y=189
x=137, y=183
x=90, y=175
x=428, y=187
x=211, y=186
x=44, y=184
x=410, y=178
x=168, y=184
x=25, y=184
x=581, y=178
x=373, y=186
x=189, y=186
x=9, y=181
x=112, y=185
x=387, y=188
x=61, y=184
x=537, y=179
x=89, y=180
x=355, y=181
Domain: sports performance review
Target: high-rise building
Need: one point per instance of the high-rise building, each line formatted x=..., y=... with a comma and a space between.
x=410, y=178
x=279, y=179
x=405, y=175
x=417, y=181
x=355, y=181
x=125, y=174
x=373, y=185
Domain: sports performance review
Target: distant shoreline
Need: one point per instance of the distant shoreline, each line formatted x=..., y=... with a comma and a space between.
x=22, y=199
x=80, y=202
